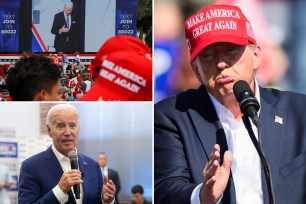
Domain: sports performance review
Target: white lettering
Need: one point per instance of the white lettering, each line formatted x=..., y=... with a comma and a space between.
x=107, y=75
x=195, y=20
x=108, y=64
x=130, y=75
x=217, y=13
x=231, y=25
x=201, y=29
x=126, y=21
x=127, y=85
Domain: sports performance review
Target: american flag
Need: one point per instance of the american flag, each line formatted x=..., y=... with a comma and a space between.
x=250, y=30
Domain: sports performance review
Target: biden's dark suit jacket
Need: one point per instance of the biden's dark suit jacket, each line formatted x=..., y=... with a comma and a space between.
x=65, y=42
x=187, y=127
x=40, y=173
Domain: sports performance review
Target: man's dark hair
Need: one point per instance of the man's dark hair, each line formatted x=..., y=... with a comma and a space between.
x=31, y=75
x=137, y=189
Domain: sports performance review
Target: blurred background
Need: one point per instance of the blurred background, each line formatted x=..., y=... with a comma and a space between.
x=279, y=27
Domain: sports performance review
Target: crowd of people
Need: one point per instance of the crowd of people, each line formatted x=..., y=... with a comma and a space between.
x=120, y=71
x=75, y=77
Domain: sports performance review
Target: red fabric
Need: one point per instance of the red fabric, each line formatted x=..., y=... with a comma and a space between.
x=56, y=60
x=119, y=43
x=2, y=72
x=217, y=23
x=75, y=93
x=123, y=76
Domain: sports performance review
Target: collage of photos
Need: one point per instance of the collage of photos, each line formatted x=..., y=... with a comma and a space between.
x=152, y=102
x=76, y=94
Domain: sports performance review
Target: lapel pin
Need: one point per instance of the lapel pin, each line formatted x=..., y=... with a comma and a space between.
x=84, y=163
x=278, y=119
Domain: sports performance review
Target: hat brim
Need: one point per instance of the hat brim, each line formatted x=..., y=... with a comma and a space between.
x=218, y=39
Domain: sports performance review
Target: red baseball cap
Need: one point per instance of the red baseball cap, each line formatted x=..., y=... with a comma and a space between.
x=217, y=23
x=119, y=43
x=123, y=76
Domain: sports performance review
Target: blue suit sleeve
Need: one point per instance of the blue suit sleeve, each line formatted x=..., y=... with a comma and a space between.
x=30, y=188
x=171, y=172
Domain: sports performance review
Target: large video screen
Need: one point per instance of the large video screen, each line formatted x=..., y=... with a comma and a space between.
x=9, y=25
x=90, y=23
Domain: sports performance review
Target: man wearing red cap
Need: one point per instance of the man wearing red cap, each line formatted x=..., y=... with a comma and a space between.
x=203, y=152
x=123, y=71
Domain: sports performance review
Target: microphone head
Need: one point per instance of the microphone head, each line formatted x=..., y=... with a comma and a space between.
x=73, y=155
x=240, y=87
x=245, y=97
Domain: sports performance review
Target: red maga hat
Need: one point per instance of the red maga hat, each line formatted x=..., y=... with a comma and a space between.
x=123, y=76
x=119, y=43
x=217, y=23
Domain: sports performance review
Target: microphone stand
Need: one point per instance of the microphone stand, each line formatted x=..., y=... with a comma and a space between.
x=262, y=156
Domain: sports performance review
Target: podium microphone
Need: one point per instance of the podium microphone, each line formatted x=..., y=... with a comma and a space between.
x=247, y=102
x=249, y=106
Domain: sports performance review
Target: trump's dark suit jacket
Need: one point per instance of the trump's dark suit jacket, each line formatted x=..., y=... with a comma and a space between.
x=60, y=42
x=187, y=127
x=41, y=173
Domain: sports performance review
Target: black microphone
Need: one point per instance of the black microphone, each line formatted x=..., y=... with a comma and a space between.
x=74, y=165
x=249, y=107
x=248, y=103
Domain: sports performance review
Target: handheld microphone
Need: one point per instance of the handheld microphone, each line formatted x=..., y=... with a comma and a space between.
x=74, y=165
x=247, y=102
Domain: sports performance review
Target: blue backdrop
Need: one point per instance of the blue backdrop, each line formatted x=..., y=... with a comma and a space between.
x=126, y=17
x=9, y=25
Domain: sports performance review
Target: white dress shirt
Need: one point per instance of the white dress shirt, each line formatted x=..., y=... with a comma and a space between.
x=104, y=171
x=246, y=167
x=65, y=164
x=59, y=194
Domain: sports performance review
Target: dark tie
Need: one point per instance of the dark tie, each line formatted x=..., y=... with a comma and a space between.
x=67, y=22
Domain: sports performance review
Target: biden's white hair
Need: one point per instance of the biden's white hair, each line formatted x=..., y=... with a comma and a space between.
x=60, y=107
x=68, y=4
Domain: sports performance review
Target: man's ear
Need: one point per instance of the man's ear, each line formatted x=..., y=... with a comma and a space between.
x=257, y=57
x=40, y=96
x=195, y=69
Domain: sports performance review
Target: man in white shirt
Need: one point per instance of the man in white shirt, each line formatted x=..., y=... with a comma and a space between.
x=109, y=173
x=47, y=177
x=202, y=151
x=88, y=84
x=6, y=181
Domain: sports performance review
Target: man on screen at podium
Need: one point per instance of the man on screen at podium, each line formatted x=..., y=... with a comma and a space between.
x=65, y=30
